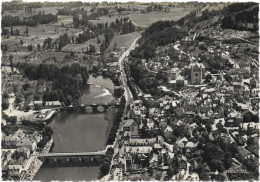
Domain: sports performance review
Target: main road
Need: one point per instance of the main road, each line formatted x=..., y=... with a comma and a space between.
x=127, y=93
x=128, y=96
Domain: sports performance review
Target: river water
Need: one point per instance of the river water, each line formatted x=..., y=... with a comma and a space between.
x=76, y=132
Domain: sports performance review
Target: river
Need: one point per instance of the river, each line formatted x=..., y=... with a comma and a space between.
x=76, y=132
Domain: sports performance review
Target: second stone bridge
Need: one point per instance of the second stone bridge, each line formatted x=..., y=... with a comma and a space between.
x=89, y=108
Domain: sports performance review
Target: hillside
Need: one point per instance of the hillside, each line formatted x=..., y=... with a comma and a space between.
x=241, y=16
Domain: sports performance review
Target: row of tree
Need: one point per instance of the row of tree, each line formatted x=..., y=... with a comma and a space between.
x=30, y=21
x=109, y=35
x=46, y=136
x=116, y=123
x=106, y=162
x=36, y=124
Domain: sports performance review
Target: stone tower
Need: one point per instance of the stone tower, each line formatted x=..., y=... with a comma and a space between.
x=197, y=73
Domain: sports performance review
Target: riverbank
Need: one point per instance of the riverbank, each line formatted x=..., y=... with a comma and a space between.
x=78, y=132
x=67, y=174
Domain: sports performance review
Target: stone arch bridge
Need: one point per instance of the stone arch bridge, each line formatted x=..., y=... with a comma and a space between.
x=84, y=158
x=89, y=108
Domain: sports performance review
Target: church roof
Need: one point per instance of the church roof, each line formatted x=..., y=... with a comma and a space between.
x=196, y=65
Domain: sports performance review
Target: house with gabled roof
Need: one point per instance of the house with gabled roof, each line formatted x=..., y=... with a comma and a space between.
x=131, y=127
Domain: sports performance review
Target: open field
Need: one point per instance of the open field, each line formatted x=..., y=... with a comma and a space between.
x=36, y=35
x=83, y=46
x=137, y=6
x=104, y=19
x=125, y=5
x=150, y=18
x=22, y=13
x=124, y=40
x=64, y=19
x=19, y=57
x=215, y=6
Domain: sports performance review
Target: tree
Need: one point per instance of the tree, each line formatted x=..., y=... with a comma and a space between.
x=227, y=160
x=170, y=172
x=11, y=62
x=250, y=141
x=92, y=48
x=18, y=99
x=98, y=41
x=48, y=131
x=115, y=45
x=37, y=107
x=12, y=30
x=107, y=159
x=12, y=120
x=228, y=77
x=26, y=86
x=233, y=148
x=208, y=77
x=150, y=171
x=208, y=127
x=220, y=177
x=26, y=31
x=216, y=165
x=110, y=150
x=204, y=176
x=219, y=126
x=5, y=104
x=27, y=107
x=5, y=95
x=249, y=164
x=30, y=47
x=246, y=118
x=158, y=176
x=255, y=118
x=105, y=168
x=37, y=97
x=197, y=119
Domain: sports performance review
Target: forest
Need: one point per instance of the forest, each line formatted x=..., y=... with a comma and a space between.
x=158, y=34
x=239, y=14
x=67, y=81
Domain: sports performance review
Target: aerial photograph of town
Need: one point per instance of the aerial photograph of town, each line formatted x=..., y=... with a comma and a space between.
x=129, y=91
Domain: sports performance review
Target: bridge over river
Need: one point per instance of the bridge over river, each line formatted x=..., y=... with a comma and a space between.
x=88, y=108
x=87, y=158
x=71, y=154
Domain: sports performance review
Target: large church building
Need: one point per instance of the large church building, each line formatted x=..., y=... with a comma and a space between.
x=197, y=73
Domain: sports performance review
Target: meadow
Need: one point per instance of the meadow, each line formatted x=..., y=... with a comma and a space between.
x=124, y=40
x=22, y=13
x=146, y=19
x=83, y=46
x=37, y=35
x=104, y=19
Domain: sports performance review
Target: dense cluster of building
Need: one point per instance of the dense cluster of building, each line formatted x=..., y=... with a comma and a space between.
x=225, y=102
x=18, y=163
